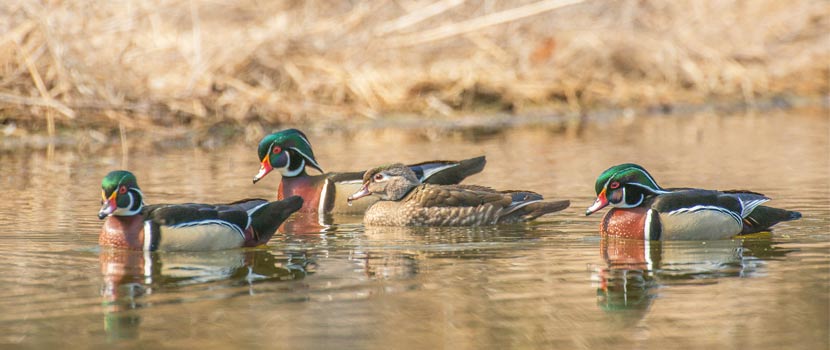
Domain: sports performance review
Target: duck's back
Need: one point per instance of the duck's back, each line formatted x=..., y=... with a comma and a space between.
x=440, y=205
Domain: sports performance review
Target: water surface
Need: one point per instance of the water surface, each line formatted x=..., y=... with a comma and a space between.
x=551, y=284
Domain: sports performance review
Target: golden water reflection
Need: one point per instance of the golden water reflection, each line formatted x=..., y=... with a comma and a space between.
x=130, y=276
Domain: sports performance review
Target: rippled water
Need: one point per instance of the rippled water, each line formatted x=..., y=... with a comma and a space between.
x=551, y=284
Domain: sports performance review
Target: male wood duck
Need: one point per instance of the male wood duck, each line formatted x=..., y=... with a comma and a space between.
x=405, y=201
x=644, y=210
x=289, y=151
x=132, y=225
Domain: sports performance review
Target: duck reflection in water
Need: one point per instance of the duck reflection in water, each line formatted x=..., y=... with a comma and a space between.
x=131, y=277
x=314, y=223
x=636, y=270
x=411, y=247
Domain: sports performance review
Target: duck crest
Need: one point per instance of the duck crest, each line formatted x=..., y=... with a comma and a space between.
x=628, y=173
x=288, y=151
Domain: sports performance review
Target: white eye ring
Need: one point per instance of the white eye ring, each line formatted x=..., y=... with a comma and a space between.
x=379, y=177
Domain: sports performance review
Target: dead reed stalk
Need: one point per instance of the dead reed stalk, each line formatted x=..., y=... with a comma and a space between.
x=170, y=63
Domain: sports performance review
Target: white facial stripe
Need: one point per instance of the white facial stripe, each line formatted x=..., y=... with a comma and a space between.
x=654, y=183
x=304, y=139
x=657, y=190
x=624, y=204
x=285, y=171
x=309, y=159
x=606, y=182
x=126, y=211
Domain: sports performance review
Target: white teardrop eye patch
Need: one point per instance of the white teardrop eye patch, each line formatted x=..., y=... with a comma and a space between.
x=379, y=177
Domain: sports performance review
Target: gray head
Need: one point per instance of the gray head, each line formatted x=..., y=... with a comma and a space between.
x=388, y=182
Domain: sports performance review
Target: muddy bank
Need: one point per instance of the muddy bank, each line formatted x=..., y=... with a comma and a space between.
x=468, y=127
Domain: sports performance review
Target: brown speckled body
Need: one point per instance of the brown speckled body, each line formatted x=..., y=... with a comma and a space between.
x=624, y=223
x=388, y=213
x=459, y=205
x=125, y=232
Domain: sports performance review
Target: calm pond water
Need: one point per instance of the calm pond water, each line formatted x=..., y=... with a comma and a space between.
x=549, y=284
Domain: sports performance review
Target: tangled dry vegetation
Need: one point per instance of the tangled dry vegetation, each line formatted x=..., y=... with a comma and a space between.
x=165, y=64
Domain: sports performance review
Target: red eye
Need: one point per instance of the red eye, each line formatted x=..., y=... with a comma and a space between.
x=276, y=150
x=614, y=185
x=122, y=189
x=378, y=177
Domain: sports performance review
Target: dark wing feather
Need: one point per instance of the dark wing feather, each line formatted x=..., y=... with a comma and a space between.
x=344, y=177
x=744, y=192
x=446, y=172
x=690, y=198
x=244, y=204
x=175, y=214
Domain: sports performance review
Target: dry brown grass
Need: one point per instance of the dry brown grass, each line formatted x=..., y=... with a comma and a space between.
x=144, y=64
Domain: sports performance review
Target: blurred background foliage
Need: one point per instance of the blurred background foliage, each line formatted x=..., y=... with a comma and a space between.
x=166, y=64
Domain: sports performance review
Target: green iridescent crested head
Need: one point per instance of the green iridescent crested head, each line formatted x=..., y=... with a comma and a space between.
x=120, y=194
x=118, y=177
x=628, y=173
x=288, y=151
x=623, y=186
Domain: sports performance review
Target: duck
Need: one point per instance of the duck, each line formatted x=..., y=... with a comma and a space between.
x=130, y=224
x=403, y=200
x=289, y=151
x=644, y=210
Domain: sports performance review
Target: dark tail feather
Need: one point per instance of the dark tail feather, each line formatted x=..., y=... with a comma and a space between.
x=535, y=210
x=455, y=174
x=268, y=218
x=763, y=217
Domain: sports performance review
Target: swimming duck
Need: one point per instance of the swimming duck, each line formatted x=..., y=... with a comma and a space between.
x=644, y=210
x=289, y=152
x=405, y=201
x=130, y=224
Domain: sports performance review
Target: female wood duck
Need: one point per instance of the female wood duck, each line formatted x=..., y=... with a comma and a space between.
x=289, y=151
x=132, y=225
x=405, y=201
x=644, y=210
